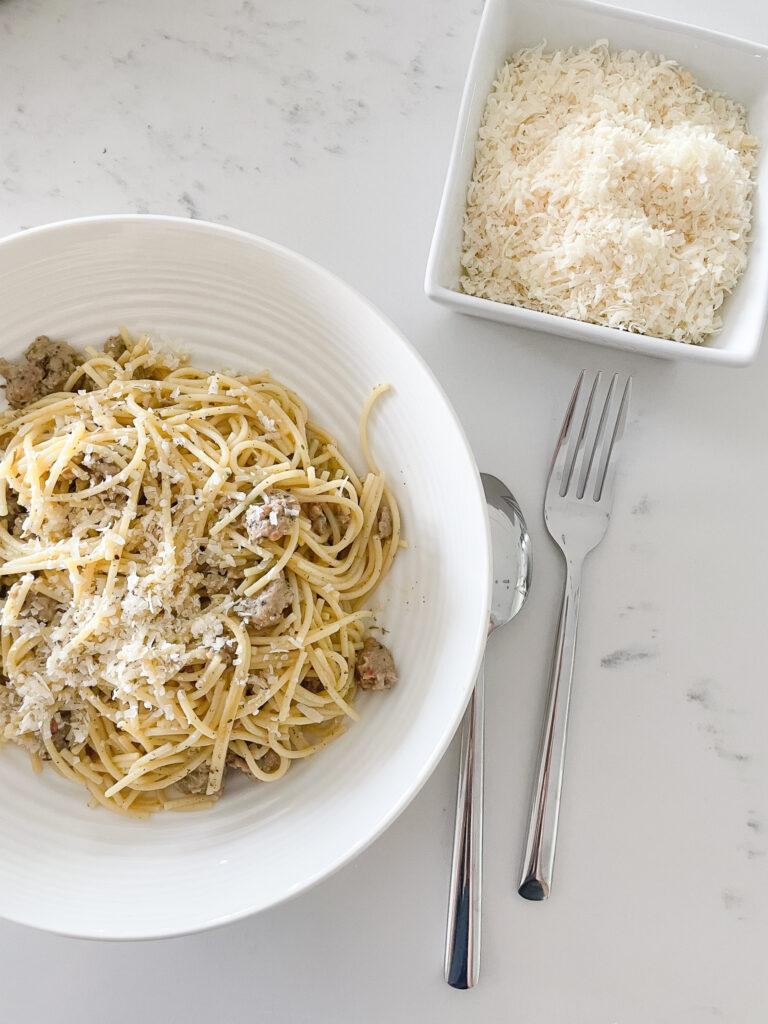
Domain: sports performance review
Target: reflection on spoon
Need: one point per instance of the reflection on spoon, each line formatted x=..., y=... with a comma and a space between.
x=512, y=569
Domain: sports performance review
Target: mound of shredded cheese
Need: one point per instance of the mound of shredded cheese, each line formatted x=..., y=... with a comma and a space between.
x=610, y=188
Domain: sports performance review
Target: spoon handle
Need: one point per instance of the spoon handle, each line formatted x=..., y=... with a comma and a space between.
x=462, y=945
x=539, y=856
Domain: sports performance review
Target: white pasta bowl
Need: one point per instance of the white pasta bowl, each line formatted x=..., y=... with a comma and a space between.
x=731, y=66
x=238, y=301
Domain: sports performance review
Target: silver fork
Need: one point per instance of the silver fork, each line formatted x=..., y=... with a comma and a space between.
x=577, y=509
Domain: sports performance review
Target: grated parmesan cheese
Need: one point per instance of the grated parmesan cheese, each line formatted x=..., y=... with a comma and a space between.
x=269, y=425
x=610, y=188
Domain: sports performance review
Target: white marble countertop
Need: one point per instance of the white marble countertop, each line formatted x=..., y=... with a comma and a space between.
x=326, y=126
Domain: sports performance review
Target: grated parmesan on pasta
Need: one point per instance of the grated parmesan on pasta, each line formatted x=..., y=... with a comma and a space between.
x=609, y=187
x=173, y=611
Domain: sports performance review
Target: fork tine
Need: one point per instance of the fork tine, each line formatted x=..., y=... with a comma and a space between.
x=609, y=456
x=576, y=448
x=561, y=448
x=587, y=473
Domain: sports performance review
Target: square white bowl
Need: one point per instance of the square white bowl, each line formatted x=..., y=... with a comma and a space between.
x=737, y=68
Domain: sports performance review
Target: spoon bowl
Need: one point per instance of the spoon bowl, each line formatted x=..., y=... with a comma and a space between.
x=511, y=551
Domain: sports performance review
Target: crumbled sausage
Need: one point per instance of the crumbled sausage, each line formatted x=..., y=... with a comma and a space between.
x=114, y=346
x=268, y=762
x=58, y=737
x=266, y=607
x=23, y=383
x=61, y=730
x=312, y=684
x=342, y=516
x=274, y=518
x=235, y=761
x=14, y=520
x=339, y=513
x=375, y=666
x=384, y=520
x=195, y=783
x=48, y=366
x=317, y=517
x=56, y=359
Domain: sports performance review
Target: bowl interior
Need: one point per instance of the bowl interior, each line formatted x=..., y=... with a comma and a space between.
x=734, y=67
x=235, y=301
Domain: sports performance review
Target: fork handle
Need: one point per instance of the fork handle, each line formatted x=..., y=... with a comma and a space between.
x=462, y=941
x=538, y=860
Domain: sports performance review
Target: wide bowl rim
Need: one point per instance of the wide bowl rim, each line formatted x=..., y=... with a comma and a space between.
x=475, y=642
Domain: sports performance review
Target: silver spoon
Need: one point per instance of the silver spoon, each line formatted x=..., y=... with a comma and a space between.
x=512, y=567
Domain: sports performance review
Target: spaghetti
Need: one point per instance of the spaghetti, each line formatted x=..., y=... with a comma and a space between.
x=186, y=562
